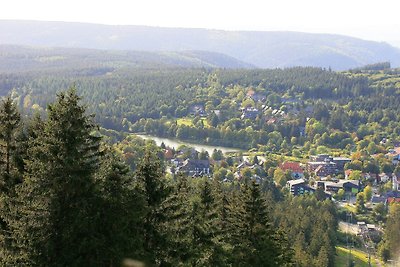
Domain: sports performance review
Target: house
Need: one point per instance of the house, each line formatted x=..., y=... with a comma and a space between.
x=243, y=165
x=299, y=187
x=349, y=186
x=392, y=197
x=195, y=167
x=322, y=168
x=250, y=113
x=324, y=165
x=340, y=162
x=376, y=199
x=362, y=227
x=197, y=110
x=296, y=170
x=384, y=177
x=394, y=155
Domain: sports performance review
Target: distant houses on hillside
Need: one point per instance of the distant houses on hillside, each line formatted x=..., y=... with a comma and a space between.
x=323, y=165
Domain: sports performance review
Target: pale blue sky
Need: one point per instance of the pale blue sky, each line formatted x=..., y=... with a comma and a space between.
x=374, y=20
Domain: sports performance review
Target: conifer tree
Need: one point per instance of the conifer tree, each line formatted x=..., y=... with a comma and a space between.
x=177, y=224
x=254, y=240
x=120, y=210
x=207, y=240
x=9, y=123
x=54, y=215
x=9, y=172
x=151, y=182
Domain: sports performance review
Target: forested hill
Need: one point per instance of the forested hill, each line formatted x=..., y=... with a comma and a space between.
x=262, y=49
x=15, y=58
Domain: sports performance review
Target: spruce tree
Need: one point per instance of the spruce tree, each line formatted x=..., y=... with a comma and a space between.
x=55, y=202
x=120, y=210
x=207, y=239
x=254, y=240
x=9, y=124
x=177, y=224
x=151, y=182
x=9, y=172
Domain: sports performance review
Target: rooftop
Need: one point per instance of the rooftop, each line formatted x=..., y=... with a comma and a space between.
x=295, y=182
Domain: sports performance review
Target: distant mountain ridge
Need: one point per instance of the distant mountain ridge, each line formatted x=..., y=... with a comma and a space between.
x=260, y=49
x=15, y=58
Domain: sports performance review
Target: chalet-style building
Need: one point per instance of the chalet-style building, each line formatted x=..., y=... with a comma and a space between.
x=299, y=187
x=250, y=113
x=340, y=162
x=323, y=165
x=349, y=186
x=197, y=110
x=322, y=168
x=296, y=170
x=195, y=167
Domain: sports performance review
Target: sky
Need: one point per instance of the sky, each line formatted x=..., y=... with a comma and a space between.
x=367, y=19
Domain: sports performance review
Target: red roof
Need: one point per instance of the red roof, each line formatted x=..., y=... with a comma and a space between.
x=393, y=199
x=292, y=166
x=168, y=153
x=348, y=172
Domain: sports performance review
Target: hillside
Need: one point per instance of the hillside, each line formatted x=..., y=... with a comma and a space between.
x=261, y=49
x=24, y=58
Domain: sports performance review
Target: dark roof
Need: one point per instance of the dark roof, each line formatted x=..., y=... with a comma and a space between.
x=378, y=199
x=395, y=194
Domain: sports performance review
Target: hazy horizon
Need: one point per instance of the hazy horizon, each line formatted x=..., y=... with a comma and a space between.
x=365, y=20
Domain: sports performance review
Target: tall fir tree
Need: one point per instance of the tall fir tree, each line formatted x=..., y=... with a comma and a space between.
x=10, y=120
x=207, y=240
x=151, y=182
x=10, y=174
x=177, y=224
x=55, y=203
x=120, y=210
x=254, y=240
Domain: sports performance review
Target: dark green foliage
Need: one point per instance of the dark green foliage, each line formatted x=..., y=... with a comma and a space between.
x=57, y=197
x=151, y=183
x=9, y=171
x=9, y=123
x=311, y=228
x=120, y=211
x=176, y=224
x=253, y=238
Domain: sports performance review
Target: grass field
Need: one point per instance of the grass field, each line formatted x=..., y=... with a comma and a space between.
x=189, y=122
x=360, y=258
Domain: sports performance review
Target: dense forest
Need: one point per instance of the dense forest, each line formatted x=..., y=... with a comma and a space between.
x=315, y=106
